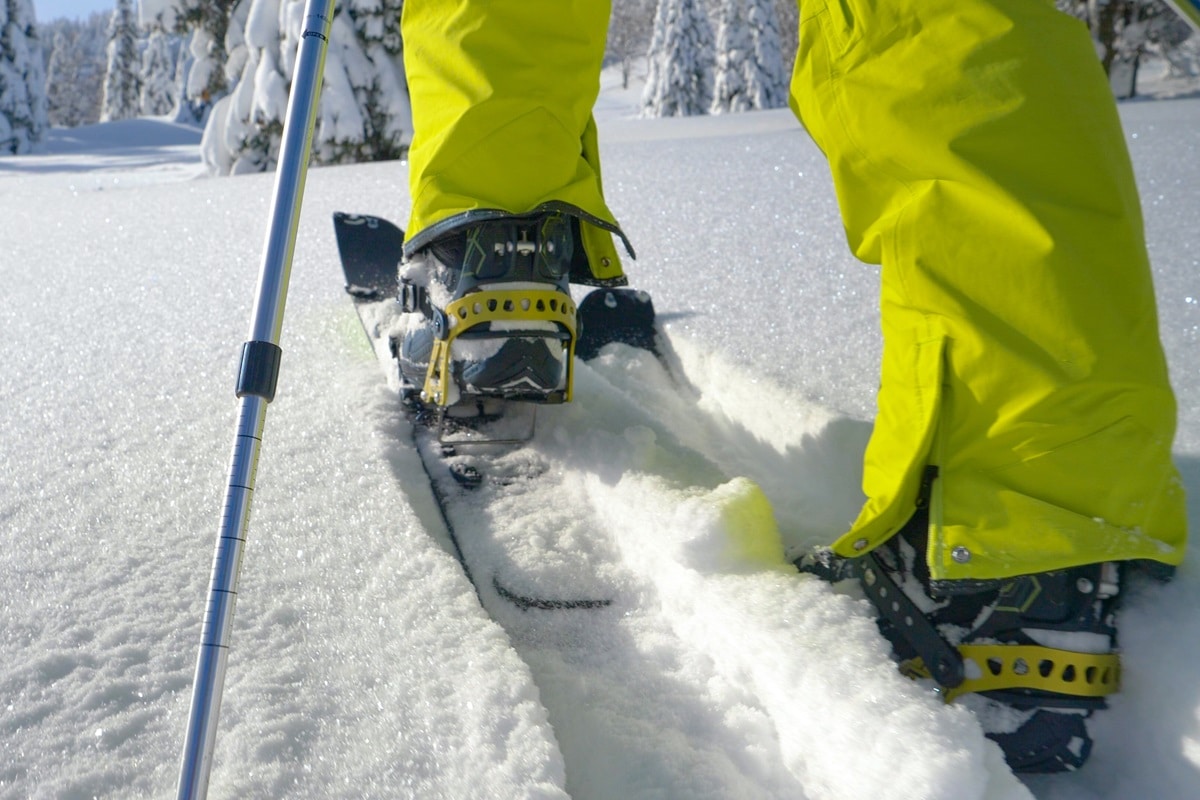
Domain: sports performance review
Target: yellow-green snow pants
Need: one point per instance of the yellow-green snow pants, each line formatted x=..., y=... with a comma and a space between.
x=502, y=94
x=977, y=155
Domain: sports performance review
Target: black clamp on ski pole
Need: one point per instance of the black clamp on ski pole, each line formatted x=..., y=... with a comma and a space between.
x=259, y=373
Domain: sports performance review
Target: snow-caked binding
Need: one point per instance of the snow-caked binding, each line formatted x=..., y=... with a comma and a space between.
x=1034, y=654
x=491, y=313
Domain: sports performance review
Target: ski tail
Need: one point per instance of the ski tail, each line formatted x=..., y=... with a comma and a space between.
x=370, y=249
x=624, y=316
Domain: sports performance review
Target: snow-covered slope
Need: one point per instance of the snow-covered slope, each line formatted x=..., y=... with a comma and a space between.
x=362, y=664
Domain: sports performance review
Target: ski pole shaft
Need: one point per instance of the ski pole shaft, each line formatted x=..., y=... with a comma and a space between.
x=1189, y=10
x=255, y=389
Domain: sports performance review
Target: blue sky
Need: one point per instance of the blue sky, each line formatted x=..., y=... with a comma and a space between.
x=47, y=10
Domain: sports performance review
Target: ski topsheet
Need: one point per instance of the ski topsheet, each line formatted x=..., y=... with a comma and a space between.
x=508, y=515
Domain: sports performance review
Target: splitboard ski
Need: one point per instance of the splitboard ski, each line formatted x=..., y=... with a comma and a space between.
x=494, y=490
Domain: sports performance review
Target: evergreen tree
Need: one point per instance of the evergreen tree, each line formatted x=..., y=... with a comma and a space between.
x=22, y=79
x=1126, y=31
x=363, y=113
x=65, y=103
x=187, y=110
x=206, y=22
x=1183, y=58
x=788, y=14
x=158, y=74
x=122, y=85
x=628, y=34
x=750, y=74
x=75, y=70
x=366, y=60
x=680, y=79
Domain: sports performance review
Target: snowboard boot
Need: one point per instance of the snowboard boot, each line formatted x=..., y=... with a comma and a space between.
x=491, y=313
x=1033, y=655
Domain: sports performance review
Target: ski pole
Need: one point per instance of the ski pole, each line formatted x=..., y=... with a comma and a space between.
x=256, y=384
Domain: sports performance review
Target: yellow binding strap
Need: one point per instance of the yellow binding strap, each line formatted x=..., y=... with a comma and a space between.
x=991, y=667
x=509, y=305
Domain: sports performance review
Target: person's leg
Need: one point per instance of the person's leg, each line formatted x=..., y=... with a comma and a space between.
x=1025, y=421
x=502, y=95
x=507, y=205
x=978, y=157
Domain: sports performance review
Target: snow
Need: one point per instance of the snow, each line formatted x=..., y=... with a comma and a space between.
x=121, y=154
x=362, y=662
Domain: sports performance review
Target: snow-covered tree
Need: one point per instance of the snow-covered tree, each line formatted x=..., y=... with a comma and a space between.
x=206, y=23
x=1126, y=31
x=162, y=92
x=363, y=113
x=680, y=77
x=788, y=14
x=75, y=70
x=164, y=14
x=158, y=74
x=122, y=84
x=629, y=29
x=750, y=74
x=1183, y=59
x=189, y=111
x=22, y=79
x=364, y=79
x=66, y=102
